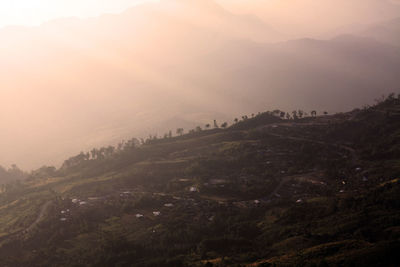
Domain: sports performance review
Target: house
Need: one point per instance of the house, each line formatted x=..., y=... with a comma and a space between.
x=139, y=216
x=63, y=219
x=156, y=213
x=82, y=203
x=193, y=189
x=75, y=200
x=168, y=205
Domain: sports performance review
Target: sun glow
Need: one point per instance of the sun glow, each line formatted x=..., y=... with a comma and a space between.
x=36, y=12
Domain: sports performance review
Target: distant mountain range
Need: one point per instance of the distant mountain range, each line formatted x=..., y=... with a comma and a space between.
x=74, y=84
x=388, y=31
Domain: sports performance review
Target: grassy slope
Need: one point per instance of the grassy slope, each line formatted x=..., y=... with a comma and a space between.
x=314, y=206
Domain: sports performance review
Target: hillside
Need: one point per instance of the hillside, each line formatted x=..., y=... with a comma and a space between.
x=266, y=191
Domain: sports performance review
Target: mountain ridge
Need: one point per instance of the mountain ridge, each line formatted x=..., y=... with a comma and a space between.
x=256, y=194
x=119, y=65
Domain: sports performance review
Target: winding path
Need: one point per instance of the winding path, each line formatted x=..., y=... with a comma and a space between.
x=351, y=150
x=40, y=216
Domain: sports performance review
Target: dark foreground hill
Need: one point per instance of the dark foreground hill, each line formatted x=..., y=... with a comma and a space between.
x=314, y=191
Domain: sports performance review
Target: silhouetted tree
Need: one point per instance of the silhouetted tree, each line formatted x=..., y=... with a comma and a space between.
x=93, y=152
x=313, y=113
x=224, y=125
x=179, y=131
x=215, y=124
x=294, y=113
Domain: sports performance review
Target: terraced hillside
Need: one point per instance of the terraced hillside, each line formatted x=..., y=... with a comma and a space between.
x=267, y=191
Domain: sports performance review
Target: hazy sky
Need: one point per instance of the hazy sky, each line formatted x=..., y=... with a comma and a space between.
x=295, y=18
x=35, y=12
x=71, y=86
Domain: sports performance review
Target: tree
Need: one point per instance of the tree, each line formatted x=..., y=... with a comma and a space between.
x=224, y=125
x=109, y=151
x=325, y=112
x=294, y=113
x=215, y=124
x=288, y=116
x=236, y=120
x=314, y=113
x=93, y=152
x=198, y=129
x=282, y=114
x=207, y=126
x=276, y=112
x=179, y=131
x=300, y=113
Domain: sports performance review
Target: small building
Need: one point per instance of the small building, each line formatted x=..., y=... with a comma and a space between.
x=139, y=216
x=156, y=213
x=193, y=189
x=168, y=205
x=75, y=200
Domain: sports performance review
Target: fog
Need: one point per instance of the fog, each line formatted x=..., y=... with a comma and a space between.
x=317, y=19
x=73, y=84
